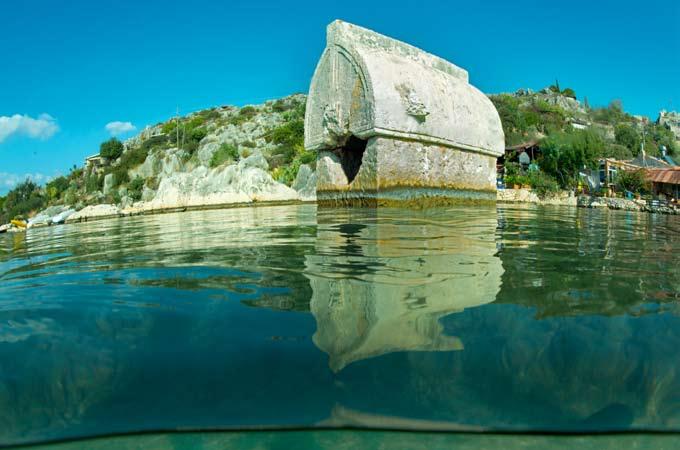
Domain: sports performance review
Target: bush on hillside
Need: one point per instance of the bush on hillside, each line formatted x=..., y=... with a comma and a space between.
x=226, y=152
x=627, y=136
x=111, y=149
x=135, y=188
x=56, y=187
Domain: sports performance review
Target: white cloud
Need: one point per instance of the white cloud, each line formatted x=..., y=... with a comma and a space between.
x=9, y=180
x=43, y=127
x=116, y=128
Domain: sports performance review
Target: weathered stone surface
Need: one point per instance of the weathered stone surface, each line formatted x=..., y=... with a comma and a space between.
x=305, y=183
x=585, y=201
x=245, y=182
x=108, y=184
x=385, y=115
x=94, y=212
x=563, y=198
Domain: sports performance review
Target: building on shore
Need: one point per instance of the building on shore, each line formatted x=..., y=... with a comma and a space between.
x=665, y=183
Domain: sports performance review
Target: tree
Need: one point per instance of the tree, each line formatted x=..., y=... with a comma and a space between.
x=633, y=181
x=111, y=149
x=56, y=187
x=566, y=153
x=21, y=200
x=627, y=136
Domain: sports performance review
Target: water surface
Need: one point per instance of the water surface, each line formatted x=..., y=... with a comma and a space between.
x=465, y=318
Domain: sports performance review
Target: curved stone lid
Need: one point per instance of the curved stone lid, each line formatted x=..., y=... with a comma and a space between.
x=367, y=84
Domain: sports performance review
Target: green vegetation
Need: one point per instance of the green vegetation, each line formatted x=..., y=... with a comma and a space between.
x=25, y=198
x=525, y=119
x=627, y=136
x=245, y=114
x=566, y=153
x=111, y=149
x=542, y=183
x=290, y=151
x=56, y=188
x=93, y=182
x=135, y=188
x=632, y=181
x=279, y=106
x=226, y=152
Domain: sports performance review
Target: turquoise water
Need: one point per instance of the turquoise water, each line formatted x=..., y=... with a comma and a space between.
x=467, y=318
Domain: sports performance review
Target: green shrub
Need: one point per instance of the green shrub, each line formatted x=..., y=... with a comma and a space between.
x=226, y=152
x=152, y=183
x=566, y=153
x=569, y=92
x=111, y=149
x=210, y=114
x=279, y=106
x=25, y=198
x=633, y=181
x=153, y=142
x=94, y=182
x=542, y=183
x=56, y=187
x=288, y=138
x=135, y=188
x=120, y=175
x=248, y=112
x=617, y=151
x=627, y=136
x=288, y=170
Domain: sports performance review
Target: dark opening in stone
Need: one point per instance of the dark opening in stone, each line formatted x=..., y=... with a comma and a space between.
x=351, y=155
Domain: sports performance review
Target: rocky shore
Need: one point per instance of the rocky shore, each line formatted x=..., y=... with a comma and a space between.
x=565, y=198
x=585, y=201
x=268, y=193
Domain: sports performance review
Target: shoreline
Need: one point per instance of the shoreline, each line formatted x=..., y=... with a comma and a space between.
x=504, y=197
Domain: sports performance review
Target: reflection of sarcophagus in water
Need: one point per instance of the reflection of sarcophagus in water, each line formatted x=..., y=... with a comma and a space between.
x=392, y=282
x=395, y=124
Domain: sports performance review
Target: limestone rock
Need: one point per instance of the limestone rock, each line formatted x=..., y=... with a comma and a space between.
x=108, y=184
x=245, y=182
x=305, y=183
x=63, y=216
x=94, y=212
x=385, y=118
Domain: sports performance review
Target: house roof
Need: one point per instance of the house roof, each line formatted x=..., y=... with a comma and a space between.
x=668, y=176
x=522, y=146
x=648, y=161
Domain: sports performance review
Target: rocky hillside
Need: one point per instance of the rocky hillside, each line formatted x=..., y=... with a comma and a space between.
x=216, y=156
x=528, y=115
x=221, y=155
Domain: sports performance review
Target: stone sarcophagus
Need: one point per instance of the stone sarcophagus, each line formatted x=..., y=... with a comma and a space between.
x=394, y=124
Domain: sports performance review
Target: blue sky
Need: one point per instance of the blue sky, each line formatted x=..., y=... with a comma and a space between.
x=70, y=68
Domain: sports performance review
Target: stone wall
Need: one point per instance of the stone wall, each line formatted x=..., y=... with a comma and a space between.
x=563, y=198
